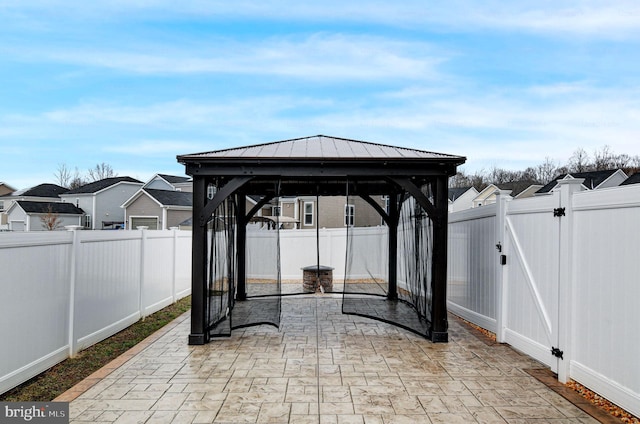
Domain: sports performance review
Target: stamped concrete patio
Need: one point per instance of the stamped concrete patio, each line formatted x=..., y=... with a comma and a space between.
x=320, y=367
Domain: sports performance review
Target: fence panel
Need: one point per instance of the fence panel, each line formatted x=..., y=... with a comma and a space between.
x=34, y=304
x=607, y=294
x=182, y=259
x=472, y=267
x=64, y=291
x=531, y=245
x=158, y=270
x=107, y=284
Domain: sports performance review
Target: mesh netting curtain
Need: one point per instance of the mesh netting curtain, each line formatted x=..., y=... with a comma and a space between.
x=221, y=267
x=367, y=289
x=263, y=279
x=262, y=271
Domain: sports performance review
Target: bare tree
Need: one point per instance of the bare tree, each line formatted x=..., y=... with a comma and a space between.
x=603, y=159
x=579, y=161
x=100, y=172
x=546, y=171
x=68, y=179
x=50, y=220
x=63, y=175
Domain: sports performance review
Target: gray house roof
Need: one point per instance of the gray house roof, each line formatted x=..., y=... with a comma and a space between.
x=41, y=190
x=96, y=186
x=456, y=192
x=633, y=179
x=54, y=207
x=319, y=147
x=174, y=179
x=592, y=179
x=171, y=198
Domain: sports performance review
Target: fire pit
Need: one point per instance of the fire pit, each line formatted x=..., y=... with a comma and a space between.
x=314, y=277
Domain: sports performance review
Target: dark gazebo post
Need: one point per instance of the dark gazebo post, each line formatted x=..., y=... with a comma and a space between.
x=241, y=243
x=439, y=262
x=198, y=334
x=394, y=213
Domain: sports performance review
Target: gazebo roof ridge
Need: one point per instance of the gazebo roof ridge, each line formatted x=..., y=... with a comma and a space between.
x=326, y=147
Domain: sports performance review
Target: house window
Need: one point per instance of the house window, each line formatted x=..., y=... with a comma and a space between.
x=276, y=211
x=349, y=215
x=1, y=205
x=308, y=213
x=87, y=221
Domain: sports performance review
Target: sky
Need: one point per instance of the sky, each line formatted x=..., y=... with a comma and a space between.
x=134, y=83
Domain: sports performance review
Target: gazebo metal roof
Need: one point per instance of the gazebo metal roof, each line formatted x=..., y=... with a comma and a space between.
x=320, y=147
x=304, y=164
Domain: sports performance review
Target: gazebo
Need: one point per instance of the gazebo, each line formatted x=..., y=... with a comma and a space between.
x=415, y=182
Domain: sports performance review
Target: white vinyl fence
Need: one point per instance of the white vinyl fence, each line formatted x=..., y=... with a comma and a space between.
x=64, y=291
x=298, y=249
x=561, y=272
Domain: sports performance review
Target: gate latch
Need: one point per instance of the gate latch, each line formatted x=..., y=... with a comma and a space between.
x=558, y=212
x=557, y=352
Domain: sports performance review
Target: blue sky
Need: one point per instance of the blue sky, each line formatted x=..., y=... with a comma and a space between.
x=135, y=83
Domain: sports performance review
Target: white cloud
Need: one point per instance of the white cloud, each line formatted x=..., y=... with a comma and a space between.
x=320, y=57
x=608, y=19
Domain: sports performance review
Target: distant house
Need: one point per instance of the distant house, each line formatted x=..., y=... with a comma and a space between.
x=186, y=225
x=486, y=197
x=39, y=193
x=461, y=198
x=157, y=209
x=101, y=201
x=633, y=179
x=170, y=182
x=331, y=211
x=25, y=215
x=593, y=180
x=528, y=192
x=5, y=189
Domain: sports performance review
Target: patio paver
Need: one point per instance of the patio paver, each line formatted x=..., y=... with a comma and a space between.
x=320, y=367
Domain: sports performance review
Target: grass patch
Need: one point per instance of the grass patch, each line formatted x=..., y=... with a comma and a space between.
x=61, y=377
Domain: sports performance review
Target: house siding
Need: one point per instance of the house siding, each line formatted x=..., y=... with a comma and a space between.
x=159, y=184
x=175, y=217
x=32, y=222
x=144, y=206
x=331, y=212
x=186, y=187
x=36, y=223
x=16, y=215
x=108, y=203
x=465, y=201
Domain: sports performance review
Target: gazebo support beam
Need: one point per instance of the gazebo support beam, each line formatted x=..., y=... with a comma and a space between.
x=394, y=215
x=241, y=245
x=439, y=263
x=377, y=207
x=199, y=334
x=221, y=195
